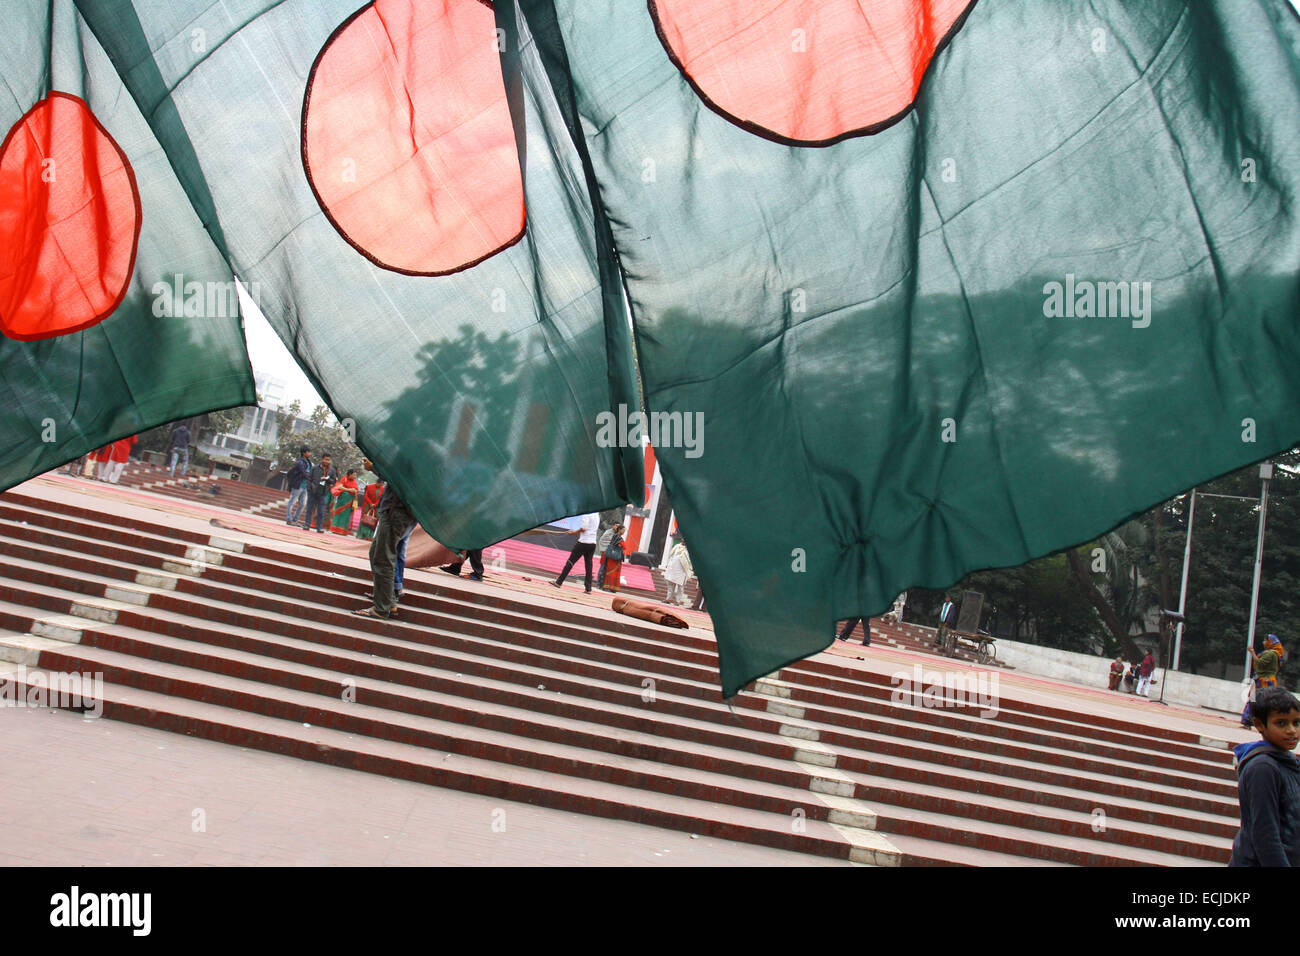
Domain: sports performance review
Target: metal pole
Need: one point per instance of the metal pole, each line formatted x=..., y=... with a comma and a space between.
x=1265, y=473
x=1182, y=594
x=1164, y=648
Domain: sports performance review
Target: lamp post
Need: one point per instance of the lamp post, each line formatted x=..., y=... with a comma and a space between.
x=1182, y=592
x=1265, y=474
x=1170, y=617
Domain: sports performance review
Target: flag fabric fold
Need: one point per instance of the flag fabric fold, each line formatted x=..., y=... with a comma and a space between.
x=1051, y=280
x=117, y=313
x=360, y=166
x=937, y=285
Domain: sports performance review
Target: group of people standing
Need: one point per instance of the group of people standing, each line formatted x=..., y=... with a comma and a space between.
x=323, y=498
x=1136, y=678
x=611, y=555
x=612, y=547
x=112, y=458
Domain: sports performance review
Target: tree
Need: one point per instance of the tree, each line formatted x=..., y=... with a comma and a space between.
x=1110, y=590
x=323, y=437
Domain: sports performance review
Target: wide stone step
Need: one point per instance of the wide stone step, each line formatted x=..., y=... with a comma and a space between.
x=188, y=612
x=895, y=795
x=357, y=718
x=1133, y=735
x=261, y=627
x=254, y=598
x=730, y=753
x=351, y=736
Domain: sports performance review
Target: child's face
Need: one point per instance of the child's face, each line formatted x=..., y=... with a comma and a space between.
x=1282, y=730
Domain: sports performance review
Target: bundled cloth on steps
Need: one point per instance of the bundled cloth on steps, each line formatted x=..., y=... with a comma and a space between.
x=648, y=612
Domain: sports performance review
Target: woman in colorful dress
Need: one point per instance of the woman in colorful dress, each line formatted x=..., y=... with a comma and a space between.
x=345, y=494
x=370, y=510
x=613, y=558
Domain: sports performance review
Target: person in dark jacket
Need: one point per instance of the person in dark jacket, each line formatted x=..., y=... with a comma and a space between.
x=319, y=483
x=298, y=476
x=1268, y=785
x=395, y=526
x=180, y=449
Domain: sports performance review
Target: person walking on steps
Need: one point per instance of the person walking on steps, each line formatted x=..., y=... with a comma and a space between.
x=584, y=548
x=847, y=630
x=475, y=558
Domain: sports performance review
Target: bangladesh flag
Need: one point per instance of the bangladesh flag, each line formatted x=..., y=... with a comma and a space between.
x=117, y=313
x=438, y=281
x=917, y=287
x=945, y=285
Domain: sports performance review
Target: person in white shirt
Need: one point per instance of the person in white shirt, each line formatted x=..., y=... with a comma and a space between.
x=585, y=547
x=677, y=573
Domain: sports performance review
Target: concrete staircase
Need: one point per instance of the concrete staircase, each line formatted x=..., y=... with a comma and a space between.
x=235, y=495
x=558, y=704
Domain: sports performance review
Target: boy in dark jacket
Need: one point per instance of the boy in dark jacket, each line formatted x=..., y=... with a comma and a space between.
x=1268, y=785
x=298, y=476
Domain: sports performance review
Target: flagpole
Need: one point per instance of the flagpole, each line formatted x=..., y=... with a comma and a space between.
x=1182, y=594
x=1265, y=473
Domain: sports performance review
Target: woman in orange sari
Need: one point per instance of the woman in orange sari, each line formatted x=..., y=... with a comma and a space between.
x=613, y=558
x=344, y=502
x=370, y=510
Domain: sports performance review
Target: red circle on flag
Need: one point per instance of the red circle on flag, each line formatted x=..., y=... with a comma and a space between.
x=69, y=221
x=807, y=72
x=407, y=140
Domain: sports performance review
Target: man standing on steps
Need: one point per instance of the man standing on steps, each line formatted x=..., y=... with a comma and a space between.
x=298, y=476
x=395, y=525
x=180, y=449
x=319, y=483
x=585, y=548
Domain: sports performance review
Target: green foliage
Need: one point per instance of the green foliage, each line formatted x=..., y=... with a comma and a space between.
x=1137, y=571
x=323, y=438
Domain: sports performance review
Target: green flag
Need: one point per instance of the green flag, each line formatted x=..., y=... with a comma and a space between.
x=359, y=167
x=918, y=286
x=117, y=313
x=946, y=286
